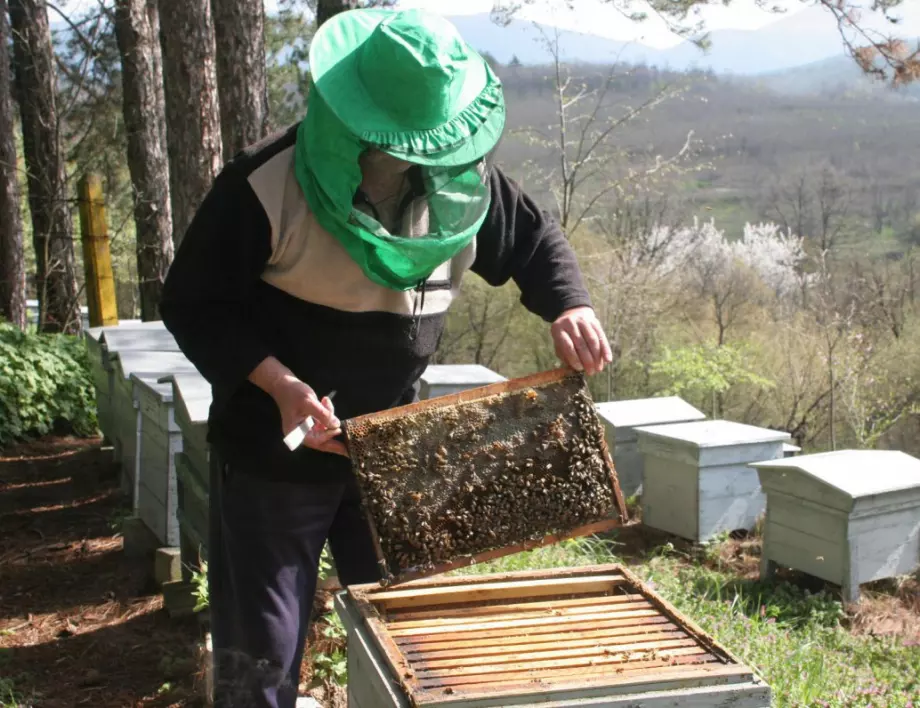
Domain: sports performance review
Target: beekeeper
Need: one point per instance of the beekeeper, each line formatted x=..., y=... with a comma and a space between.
x=325, y=258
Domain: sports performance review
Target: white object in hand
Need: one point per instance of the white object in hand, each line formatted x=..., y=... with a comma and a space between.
x=295, y=438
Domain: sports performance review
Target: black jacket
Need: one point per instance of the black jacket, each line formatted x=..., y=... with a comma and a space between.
x=255, y=276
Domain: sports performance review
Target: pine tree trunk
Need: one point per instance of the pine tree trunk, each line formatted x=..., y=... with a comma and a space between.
x=137, y=30
x=239, y=30
x=327, y=8
x=192, y=113
x=52, y=226
x=12, y=264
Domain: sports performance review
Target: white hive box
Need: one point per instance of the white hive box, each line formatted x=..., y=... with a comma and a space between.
x=848, y=517
x=155, y=467
x=192, y=399
x=566, y=638
x=621, y=418
x=101, y=370
x=124, y=405
x=444, y=379
x=697, y=479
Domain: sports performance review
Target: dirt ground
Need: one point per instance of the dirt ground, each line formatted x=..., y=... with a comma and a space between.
x=82, y=625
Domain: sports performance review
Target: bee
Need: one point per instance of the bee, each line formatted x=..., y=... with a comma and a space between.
x=531, y=394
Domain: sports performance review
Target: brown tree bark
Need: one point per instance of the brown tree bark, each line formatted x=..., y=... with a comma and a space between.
x=239, y=30
x=52, y=226
x=327, y=8
x=12, y=264
x=192, y=113
x=137, y=30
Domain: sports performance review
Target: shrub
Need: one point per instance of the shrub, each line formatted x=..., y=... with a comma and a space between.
x=45, y=385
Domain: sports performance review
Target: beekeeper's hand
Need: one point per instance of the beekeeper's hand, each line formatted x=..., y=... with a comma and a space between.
x=580, y=340
x=296, y=402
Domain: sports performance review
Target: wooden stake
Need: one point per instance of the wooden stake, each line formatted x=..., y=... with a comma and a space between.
x=97, y=258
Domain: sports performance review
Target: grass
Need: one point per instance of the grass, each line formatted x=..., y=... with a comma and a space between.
x=796, y=640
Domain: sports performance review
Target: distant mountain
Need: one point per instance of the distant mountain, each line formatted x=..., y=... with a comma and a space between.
x=838, y=76
x=804, y=38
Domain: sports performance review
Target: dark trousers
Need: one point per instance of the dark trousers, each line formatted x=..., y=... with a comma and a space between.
x=263, y=555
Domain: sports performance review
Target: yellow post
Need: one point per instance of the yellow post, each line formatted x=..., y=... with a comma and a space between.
x=97, y=259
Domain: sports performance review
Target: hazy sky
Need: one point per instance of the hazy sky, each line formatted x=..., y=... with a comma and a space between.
x=597, y=17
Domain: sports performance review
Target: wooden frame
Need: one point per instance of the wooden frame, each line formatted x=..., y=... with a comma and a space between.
x=353, y=425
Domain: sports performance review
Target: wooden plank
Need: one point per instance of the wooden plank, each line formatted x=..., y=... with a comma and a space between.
x=474, y=592
x=500, y=630
x=650, y=625
x=471, y=610
x=594, y=650
x=714, y=691
x=613, y=668
x=550, y=643
x=528, y=620
x=597, y=608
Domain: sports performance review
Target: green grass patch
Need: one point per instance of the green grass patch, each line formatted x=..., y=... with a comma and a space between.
x=796, y=640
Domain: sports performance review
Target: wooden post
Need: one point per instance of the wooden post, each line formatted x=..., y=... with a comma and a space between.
x=97, y=259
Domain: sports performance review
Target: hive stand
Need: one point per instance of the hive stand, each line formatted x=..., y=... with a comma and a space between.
x=443, y=379
x=697, y=480
x=848, y=517
x=152, y=364
x=621, y=418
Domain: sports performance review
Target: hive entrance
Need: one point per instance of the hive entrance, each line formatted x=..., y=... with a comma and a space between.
x=488, y=469
x=465, y=638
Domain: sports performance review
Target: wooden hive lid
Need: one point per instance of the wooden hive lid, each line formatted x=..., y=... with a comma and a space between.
x=459, y=375
x=479, y=640
x=714, y=433
x=192, y=393
x=153, y=338
x=855, y=473
x=151, y=382
x=151, y=362
x=647, y=411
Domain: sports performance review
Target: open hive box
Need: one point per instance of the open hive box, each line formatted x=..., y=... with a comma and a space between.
x=593, y=636
x=487, y=472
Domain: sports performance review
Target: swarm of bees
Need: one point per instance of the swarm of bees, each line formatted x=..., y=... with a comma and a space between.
x=444, y=483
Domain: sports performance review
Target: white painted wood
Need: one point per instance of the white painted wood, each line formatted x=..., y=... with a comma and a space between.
x=444, y=379
x=621, y=418
x=192, y=397
x=371, y=684
x=153, y=337
x=670, y=501
x=790, y=450
x=160, y=439
x=702, y=485
x=848, y=517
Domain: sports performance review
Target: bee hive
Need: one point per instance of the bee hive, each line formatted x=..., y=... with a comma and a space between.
x=561, y=638
x=484, y=472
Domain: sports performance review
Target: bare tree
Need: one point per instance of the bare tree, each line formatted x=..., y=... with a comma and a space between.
x=239, y=27
x=137, y=28
x=192, y=112
x=52, y=225
x=591, y=171
x=12, y=265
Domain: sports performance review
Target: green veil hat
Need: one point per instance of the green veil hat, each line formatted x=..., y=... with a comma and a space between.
x=406, y=83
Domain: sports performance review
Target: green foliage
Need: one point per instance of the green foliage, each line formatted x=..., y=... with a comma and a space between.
x=45, y=385
x=331, y=665
x=699, y=372
x=287, y=40
x=200, y=583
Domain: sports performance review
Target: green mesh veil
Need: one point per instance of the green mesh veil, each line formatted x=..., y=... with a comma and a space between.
x=442, y=218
